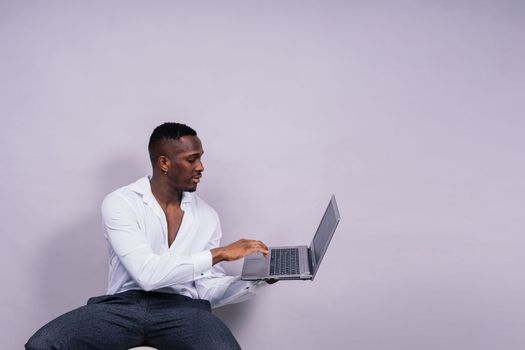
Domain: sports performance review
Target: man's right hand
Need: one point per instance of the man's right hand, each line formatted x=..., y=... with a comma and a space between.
x=238, y=250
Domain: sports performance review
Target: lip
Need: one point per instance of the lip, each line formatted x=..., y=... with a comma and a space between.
x=196, y=179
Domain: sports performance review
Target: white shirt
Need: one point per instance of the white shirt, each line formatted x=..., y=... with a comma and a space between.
x=140, y=258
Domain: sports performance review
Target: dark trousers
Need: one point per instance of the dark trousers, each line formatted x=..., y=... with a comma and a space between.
x=134, y=318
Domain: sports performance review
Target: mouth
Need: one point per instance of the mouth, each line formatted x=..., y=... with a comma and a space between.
x=196, y=179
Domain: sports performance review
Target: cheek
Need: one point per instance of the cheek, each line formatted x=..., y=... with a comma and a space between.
x=182, y=168
x=186, y=170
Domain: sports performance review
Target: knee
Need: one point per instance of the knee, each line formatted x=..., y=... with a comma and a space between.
x=213, y=332
x=40, y=342
x=205, y=320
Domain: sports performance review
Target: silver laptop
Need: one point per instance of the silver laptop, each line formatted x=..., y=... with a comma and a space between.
x=294, y=262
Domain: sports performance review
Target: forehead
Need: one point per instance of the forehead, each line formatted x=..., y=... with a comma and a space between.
x=185, y=145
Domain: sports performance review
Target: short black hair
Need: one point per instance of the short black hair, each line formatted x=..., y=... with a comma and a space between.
x=164, y=133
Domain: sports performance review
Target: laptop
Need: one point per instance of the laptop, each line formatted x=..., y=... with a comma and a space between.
x=294, y=262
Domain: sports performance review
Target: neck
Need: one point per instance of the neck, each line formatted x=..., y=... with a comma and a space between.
x=165, y=194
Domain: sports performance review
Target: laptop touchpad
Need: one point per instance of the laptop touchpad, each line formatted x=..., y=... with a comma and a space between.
x=255, y=265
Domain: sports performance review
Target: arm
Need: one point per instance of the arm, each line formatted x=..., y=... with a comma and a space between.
x=129, y=242
x=154, y=271
x=219, y=288
x=238, y=250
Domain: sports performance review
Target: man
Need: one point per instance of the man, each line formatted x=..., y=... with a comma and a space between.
x=163, y=243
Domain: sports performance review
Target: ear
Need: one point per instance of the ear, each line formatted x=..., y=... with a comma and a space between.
x=164, y=163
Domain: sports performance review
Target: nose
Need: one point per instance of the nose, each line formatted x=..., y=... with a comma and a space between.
x=200, y=166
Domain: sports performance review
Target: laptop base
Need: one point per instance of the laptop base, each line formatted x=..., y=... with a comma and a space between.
x=256, y=267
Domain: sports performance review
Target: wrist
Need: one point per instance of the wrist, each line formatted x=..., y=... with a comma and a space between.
x=217, y=255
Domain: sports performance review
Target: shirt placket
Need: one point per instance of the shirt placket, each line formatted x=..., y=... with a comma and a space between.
x=159, y=213
x=187, y=220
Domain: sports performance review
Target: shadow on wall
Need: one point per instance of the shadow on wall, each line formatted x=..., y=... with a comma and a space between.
x=73, y=264
x=235, y=315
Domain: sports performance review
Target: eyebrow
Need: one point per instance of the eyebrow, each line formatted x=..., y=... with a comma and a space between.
x=195, y=154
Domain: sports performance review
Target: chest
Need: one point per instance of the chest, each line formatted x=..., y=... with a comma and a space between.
x=183, y=232
x=174, y=220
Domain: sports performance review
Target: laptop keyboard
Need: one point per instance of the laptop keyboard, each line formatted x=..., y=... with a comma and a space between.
x=284, y=261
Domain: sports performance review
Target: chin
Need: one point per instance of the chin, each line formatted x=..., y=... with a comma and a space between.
x=191, y=189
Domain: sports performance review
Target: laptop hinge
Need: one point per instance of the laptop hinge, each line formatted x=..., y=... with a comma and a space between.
x=310, y=260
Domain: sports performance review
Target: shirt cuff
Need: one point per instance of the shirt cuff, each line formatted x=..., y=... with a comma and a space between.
x=202, y=262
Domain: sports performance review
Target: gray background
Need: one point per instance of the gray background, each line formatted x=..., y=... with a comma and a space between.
x=412, y=113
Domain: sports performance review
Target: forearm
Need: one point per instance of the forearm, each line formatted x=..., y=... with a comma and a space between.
x=217, y=255
x=153, y=271
x=238, y=250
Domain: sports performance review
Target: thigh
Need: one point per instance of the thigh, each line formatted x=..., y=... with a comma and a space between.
x=107, y=322
x=187, y=326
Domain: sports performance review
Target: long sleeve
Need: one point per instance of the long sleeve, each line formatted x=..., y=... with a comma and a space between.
x=130, y=243
x=221, y=289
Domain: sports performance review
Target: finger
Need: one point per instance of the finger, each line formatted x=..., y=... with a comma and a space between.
x=261, y=246
x=256, y=247
x=263, y=249
x=264, y=245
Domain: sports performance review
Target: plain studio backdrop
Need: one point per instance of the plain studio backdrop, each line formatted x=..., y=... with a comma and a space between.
x=412, y=113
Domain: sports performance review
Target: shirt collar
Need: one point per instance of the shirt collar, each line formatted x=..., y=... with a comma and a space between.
x=143, y=187
x=187, y=198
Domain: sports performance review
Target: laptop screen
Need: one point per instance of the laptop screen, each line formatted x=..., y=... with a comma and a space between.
x=324, y=234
